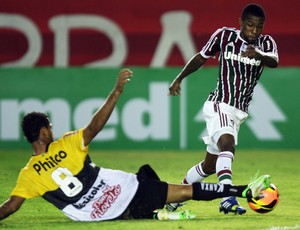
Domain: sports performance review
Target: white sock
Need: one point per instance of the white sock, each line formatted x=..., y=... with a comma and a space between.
x=195, y=174
x=223, y=168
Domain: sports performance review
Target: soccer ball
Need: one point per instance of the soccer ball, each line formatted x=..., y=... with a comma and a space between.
x=266, y=201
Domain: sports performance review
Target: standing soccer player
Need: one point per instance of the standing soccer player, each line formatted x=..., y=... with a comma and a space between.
x=243, y=54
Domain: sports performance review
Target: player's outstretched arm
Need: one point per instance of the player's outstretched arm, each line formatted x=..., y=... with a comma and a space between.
x=100, y=118
x=194, y=64
x=10, y=206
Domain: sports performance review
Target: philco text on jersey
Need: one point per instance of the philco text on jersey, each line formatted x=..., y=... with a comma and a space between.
x=50, y=162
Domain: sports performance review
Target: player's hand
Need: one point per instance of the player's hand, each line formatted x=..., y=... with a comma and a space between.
x=123, y=78
x=250, y=52
x=174, y=89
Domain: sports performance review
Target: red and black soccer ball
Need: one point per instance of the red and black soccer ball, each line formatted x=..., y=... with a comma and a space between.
x=266, y=201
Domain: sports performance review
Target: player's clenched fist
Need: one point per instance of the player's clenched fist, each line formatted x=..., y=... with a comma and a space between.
x=123, y=78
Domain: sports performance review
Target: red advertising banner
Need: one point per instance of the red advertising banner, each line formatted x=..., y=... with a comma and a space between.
x=111, y=33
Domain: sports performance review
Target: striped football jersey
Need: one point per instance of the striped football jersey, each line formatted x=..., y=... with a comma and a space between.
x=66, y=177
x=237, y=75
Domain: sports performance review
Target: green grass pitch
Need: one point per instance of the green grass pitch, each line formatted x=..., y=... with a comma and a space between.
x=171, y=166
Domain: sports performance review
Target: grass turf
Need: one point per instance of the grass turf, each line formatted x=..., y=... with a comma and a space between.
x=171, y=166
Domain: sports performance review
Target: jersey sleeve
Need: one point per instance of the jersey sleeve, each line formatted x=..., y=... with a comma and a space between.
x=269, y=47
x=76, y=139
x=25, y=187
x=213, y=45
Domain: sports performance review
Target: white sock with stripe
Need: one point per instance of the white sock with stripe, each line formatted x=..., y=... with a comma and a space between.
x=223, y=168
x=195, y=174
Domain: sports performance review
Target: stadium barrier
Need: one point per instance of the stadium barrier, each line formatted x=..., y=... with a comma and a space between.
x=145, y=116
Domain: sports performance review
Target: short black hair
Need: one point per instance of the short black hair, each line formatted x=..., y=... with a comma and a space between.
x=32, y=124
x=253, y=9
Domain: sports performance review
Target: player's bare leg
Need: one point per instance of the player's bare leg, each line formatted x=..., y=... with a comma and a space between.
x=209, y=163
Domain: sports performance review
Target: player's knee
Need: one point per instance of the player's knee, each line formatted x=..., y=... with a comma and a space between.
x=226, y=143
x=227, y=147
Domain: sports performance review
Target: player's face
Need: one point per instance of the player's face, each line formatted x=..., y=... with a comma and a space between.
x=251, y=28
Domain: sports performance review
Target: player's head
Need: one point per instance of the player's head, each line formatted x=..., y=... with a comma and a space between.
x=252, y=22
x=32, y=123
x=254, y=10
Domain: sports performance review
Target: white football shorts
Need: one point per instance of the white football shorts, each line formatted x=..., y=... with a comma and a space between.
x=220, y=119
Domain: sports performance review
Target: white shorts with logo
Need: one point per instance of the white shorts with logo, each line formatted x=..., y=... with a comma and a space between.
x=220, y=119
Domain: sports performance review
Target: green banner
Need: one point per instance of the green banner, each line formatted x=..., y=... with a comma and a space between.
x=145, y=116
